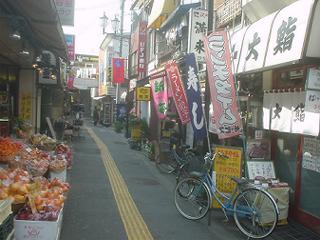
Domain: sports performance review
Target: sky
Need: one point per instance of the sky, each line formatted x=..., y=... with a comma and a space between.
x=87, y=23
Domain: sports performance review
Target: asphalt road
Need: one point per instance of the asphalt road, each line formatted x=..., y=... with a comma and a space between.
x=92, y=212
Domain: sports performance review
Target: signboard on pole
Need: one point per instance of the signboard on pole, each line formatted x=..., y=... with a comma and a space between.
x=142, y=50
x=65, y=10
x=143, y=94
x=70, y=41
x=198, y=25
x=179, y=95
x=222, y=87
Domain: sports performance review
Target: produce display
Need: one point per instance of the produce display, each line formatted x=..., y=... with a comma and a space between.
x=8, y=149
x=43, y=142
x=25, y=179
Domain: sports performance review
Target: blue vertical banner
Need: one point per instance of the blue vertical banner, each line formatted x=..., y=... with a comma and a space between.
x=193, y=91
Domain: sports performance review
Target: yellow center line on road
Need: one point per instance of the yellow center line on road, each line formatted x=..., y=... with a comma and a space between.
x=135, y=227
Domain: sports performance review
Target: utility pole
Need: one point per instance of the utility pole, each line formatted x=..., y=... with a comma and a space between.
x=121, y=43
x=210, y=4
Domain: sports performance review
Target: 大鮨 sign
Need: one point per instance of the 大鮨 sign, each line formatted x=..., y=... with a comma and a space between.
x=222, y=88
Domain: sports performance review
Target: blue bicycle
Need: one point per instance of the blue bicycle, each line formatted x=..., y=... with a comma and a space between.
x=254, y=210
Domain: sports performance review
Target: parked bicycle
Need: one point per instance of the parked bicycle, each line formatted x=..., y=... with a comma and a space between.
x=177, y=161
x=254, y=210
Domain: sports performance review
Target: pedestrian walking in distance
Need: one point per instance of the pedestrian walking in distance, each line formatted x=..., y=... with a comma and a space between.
x=95, y=116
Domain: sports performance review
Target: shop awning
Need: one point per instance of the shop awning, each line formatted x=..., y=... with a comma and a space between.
x=178, y=13
x=85, y=83
x=161, y=9
x=43, y=21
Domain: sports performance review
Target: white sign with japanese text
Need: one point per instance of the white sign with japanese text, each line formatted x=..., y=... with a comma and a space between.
x=288, y=33
x=312, y=116
x=254, y=45
x=311, y=154
x=281, y=112
x=298, y=120
x=236, y=43
x=198, y=25
x=65, y=10
x=313, y=78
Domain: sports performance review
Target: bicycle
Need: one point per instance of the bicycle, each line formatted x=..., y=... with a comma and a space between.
x=254, y=210
x=175, y=162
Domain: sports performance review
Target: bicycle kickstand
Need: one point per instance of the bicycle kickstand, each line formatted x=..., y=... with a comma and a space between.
x=225, y=214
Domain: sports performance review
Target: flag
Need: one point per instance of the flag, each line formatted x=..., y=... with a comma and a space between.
x=193, y=91
x=160, y=96
x=222, y=86
x=118, y=70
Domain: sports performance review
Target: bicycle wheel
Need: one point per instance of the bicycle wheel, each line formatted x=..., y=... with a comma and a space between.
x=192, y=198
x=166, y=165
x=255, y=213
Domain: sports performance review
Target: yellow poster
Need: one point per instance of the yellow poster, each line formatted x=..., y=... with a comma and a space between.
x=225, y=168
x=26, y=107
x=143, y=94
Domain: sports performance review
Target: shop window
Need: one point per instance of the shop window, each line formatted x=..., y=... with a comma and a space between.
x=290, y=78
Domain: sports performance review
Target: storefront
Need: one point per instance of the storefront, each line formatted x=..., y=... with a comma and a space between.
x=276, y=64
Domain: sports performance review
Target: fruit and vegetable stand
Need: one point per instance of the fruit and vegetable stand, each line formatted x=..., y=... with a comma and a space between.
x=33, y=187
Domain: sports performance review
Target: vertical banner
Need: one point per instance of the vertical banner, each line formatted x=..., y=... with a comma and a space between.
x=70, y=82
x=193, y=91
x=70, y=41
x=142, y=50
x=222, y=87
x=281, y=113
x=179, y=95
x=160, y=96
x=298, y=112
x=267, y=101
x=118, y=70
x=198, y=26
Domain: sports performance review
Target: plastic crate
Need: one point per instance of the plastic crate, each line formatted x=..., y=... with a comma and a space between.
x=6, y=227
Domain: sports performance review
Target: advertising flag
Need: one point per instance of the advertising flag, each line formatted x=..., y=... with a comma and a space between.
x=160, y=96
x=118, y=70
x=179, y=95
x=193, y=91
x=222, y=87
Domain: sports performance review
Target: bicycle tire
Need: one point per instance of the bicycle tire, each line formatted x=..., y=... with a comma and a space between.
x=192, y=198
x=255, y=213
x=167, y=165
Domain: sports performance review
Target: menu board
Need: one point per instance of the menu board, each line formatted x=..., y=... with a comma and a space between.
x=225, y=168
x=311, y=154
x=260, y=169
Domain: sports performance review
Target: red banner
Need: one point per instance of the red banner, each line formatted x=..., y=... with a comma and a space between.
x=222, y=87
x=118, y=70
x=70, y=82
x=179, y=95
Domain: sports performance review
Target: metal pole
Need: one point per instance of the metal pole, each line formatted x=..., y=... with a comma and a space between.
x=207, y=100
x=121, y=43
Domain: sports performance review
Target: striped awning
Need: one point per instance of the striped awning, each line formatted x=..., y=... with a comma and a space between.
x=161, y=9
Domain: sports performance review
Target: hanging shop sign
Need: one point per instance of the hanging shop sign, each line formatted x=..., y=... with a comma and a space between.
x=143, y=93
x=193, y=91
x=142, y=50
x=311, y=154
x=160, y=96
x=65, y=10
x=276, y=39
x=198, y=26
x=222, y=87
x=227, y=168
x=70, y=41
x=292, y=112
x=118, y=70
x=177, y=89
x=254, y=45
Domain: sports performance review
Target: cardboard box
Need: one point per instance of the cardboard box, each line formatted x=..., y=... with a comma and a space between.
x=60, y=175
x=40, y=230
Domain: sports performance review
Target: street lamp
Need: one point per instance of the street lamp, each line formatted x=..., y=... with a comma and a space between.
x=104, y=22
x=115, y=24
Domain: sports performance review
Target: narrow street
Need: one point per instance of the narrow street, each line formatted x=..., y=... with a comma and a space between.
x=120, y=195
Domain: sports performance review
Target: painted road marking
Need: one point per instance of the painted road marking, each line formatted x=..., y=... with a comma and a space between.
x=133, y=222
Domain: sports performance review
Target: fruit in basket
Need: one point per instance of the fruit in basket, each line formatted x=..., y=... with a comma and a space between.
x=8, y=149
x=3, y=194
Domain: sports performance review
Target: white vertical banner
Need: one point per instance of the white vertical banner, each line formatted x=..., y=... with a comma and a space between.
x=198, y=26
x=267, y=104
x=281, y=112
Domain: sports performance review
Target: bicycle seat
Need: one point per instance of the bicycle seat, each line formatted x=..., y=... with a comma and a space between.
x=239, y=181
x=196, y=174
